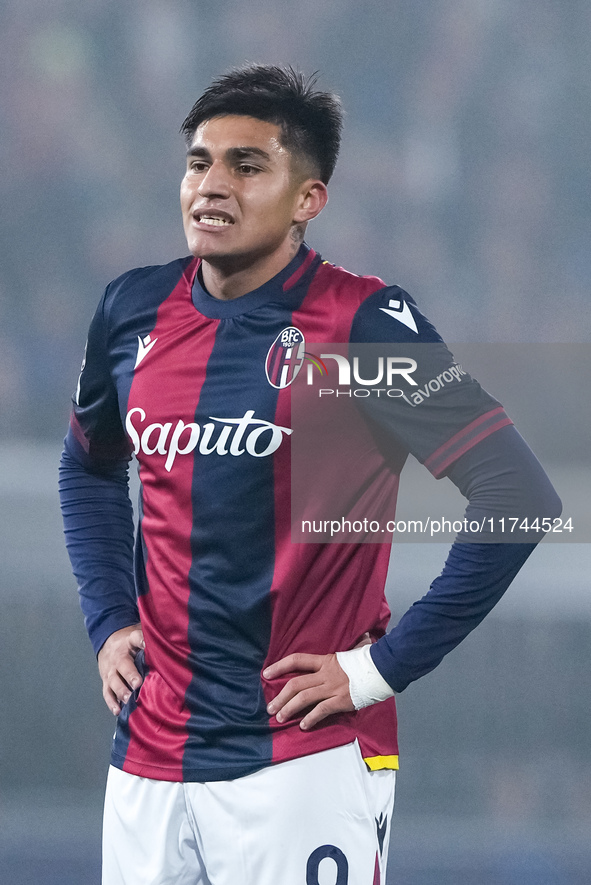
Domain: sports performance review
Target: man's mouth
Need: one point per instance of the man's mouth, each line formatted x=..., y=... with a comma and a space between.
x=213, y=220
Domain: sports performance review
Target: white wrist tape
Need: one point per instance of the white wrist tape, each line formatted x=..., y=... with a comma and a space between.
x=366, y=684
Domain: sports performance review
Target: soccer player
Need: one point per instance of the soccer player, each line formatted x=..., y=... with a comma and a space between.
x=252, y=677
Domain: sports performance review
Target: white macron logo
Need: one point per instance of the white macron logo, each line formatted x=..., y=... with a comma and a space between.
x=401, y=312
x=144, y=346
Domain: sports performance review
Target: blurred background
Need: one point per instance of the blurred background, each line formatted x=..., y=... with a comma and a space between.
x=465, y=178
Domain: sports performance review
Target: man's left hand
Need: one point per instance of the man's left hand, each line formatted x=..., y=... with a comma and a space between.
x=325, y=688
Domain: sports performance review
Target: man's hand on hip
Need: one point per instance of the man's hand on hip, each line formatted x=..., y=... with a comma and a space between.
x=116, y=666
x=325, y=688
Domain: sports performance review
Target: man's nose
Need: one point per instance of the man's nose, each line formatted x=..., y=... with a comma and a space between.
x=216, y=181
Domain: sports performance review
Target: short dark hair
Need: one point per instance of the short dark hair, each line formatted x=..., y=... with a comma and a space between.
x=310, y=121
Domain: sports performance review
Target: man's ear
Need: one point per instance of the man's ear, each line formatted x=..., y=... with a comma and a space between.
x=313, y=197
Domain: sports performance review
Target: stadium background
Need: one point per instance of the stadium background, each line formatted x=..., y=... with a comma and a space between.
x=464, y=177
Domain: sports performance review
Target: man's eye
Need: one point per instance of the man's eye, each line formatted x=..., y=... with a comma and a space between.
x=247, y=169
x=198, y=166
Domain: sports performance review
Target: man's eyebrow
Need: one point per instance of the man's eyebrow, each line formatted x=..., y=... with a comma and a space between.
x=242, y=153
x=196, y=151
x=235, y=153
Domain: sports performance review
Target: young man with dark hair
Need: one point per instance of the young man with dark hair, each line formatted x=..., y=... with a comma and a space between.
x=252, y=677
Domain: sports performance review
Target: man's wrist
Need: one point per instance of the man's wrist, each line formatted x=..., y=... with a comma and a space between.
x=367, y=686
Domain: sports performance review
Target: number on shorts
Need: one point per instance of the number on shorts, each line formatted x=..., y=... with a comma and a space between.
x=318, y=855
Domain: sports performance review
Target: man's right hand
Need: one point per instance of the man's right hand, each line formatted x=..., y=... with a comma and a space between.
x=116, y=666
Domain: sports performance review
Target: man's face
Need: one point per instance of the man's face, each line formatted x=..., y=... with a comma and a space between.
x=240, y=195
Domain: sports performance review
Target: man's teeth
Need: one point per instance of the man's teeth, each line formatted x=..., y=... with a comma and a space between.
x=212, y=219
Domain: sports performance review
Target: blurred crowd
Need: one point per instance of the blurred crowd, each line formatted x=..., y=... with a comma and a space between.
x=463, y=177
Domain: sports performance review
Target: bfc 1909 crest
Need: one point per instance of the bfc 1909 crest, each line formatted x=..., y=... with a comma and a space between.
x=285, y=357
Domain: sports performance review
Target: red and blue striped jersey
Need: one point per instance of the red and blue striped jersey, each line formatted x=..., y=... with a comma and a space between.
x=200, y=390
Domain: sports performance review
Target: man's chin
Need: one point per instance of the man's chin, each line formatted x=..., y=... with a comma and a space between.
x=215, y=257
x=226, y=261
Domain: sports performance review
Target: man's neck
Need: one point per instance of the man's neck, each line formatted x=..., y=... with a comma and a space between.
x=228, y=283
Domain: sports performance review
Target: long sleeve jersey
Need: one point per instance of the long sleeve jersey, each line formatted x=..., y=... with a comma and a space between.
x=201, y=391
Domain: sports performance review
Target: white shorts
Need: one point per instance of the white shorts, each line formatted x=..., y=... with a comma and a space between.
x=323, y=819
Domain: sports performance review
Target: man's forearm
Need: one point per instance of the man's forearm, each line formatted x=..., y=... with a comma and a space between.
x=473, y=580
x=98, y=525
x=500, y=477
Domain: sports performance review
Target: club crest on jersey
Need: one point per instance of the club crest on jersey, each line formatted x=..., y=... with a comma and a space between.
x=285, y=358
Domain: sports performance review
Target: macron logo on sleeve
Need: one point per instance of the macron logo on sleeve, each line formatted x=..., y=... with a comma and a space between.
x=144, y=346
x=401, y=312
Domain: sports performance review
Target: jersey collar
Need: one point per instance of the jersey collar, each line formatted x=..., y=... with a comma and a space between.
x=273, y=290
